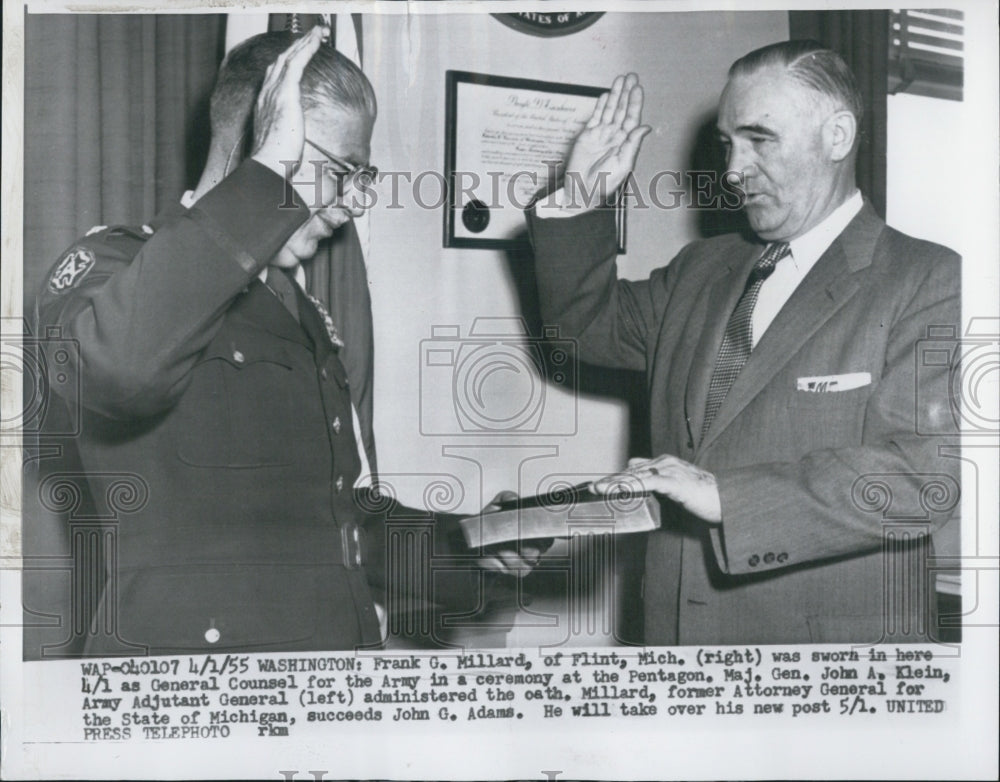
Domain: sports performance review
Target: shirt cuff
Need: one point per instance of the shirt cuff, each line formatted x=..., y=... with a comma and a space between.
x=556, y=205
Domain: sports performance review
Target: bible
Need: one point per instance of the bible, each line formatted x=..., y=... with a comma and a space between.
x=562, y=513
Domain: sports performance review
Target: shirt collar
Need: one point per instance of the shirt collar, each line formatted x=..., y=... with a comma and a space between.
x=187, y=201
x=808, y=248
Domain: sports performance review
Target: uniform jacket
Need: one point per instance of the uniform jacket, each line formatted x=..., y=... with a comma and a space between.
x=828, y=498
x=235, y=421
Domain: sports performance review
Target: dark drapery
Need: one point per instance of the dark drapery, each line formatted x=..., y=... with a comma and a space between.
x=116, y=121
x=862, y=39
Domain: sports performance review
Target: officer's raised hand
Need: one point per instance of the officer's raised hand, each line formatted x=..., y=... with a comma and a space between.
x=605, y=151
x=279, y=121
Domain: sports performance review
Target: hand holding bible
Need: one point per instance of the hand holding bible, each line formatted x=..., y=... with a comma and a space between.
x=511, y=557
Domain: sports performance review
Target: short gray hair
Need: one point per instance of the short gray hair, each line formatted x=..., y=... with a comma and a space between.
x=812, y=65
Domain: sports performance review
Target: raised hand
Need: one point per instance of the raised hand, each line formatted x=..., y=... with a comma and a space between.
x=605, y=151
x=279, y=122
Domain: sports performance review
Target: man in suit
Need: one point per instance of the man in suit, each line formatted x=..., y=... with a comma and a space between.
x=212, y=389
x=783, y=372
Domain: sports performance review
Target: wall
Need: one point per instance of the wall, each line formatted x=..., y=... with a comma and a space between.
x=924, y=189
x=681, y=58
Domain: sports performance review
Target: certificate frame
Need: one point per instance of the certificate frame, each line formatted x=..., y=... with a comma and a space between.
x=456, y=111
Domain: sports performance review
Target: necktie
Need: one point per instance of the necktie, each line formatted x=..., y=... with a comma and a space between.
x=283, y=286
x=738, y=340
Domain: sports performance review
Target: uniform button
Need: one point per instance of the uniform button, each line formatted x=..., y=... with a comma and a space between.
x=782, y=557
x=212, y=635
x=339, y=483
x=336, y=425
x=769, y=558
x=754, y=561
x=322, y=373
x=238, y=357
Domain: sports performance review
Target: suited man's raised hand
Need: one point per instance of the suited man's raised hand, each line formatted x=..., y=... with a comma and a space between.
x=676, y=479
x=279, y=120
x=605, y=151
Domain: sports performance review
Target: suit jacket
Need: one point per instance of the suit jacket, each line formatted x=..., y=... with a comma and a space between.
x=216, y=435
x=828, y=499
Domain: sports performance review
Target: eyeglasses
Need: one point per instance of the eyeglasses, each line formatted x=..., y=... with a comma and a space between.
x=349, y=172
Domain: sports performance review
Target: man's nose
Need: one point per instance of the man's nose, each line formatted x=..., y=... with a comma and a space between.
x=740, y=162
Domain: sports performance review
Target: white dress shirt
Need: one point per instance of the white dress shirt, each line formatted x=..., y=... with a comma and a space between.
x=792, y=269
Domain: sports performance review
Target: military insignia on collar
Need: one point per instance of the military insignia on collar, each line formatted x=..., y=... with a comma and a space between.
x=71, y=269
x=331, y=330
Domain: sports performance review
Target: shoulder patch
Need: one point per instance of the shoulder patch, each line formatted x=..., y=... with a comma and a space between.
x=71, y=269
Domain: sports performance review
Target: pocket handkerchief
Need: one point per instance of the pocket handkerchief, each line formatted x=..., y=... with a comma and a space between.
x=827, y=383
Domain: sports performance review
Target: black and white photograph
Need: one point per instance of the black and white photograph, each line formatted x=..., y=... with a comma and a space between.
x=487, y=390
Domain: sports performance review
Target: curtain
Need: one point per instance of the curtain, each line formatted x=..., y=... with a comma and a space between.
x=116, y=122
x=862, y=39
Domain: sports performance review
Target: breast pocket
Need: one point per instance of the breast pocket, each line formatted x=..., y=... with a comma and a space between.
x=829, y=419
x=240, y=409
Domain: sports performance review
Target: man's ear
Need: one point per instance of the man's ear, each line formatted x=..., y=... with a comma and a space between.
x=839, y=131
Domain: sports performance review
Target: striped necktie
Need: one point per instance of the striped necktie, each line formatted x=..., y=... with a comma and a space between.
x=738, y=340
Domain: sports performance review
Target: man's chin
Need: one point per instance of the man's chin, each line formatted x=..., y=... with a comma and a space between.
x=761, y=222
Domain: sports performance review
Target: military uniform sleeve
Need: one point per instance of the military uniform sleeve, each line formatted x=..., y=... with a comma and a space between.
x=579, y=289
x=142, y=318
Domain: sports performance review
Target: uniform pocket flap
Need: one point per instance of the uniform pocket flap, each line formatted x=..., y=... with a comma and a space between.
x=241, y=353
x=205, y=608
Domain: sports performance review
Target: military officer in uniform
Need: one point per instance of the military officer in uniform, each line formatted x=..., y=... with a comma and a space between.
x=207, y=371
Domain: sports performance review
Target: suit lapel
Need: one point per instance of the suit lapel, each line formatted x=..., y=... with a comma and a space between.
x=825, y=289
x=718, y=302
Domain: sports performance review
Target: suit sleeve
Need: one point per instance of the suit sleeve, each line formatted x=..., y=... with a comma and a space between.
x=579, y=290
x=837, y=502
x=141, y=320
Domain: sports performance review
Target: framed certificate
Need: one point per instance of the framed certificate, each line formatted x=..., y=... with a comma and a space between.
x=505, y=141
